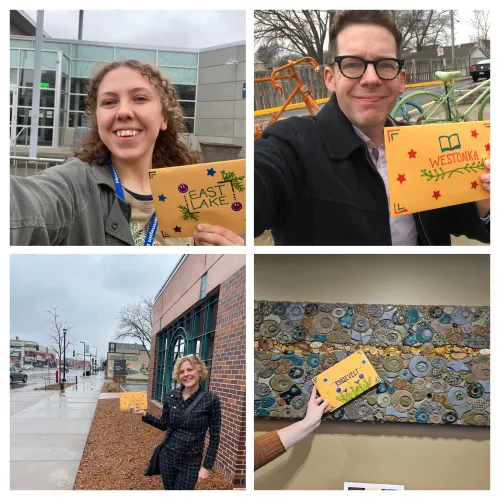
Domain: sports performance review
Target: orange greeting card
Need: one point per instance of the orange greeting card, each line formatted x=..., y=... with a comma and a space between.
x=129, y=399
x=347, y=379
x=434, y=166
x=208, y=193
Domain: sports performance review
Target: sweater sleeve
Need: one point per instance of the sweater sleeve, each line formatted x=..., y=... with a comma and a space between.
x=215, y=423
x=266, y=448
x=162, y=422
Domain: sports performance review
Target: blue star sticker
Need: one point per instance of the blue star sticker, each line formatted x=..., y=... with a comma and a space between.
x=162, y=197
x=211, y=172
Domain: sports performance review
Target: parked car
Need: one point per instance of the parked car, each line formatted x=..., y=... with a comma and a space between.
x=480, y=70
x=27, y=367
x=17, y=375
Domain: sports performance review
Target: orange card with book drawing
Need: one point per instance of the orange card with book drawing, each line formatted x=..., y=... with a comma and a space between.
x=435, y=166
x=208, y=193
x=346, y=379
x=129, y=399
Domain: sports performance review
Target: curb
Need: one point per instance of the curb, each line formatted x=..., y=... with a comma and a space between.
x=270, y=111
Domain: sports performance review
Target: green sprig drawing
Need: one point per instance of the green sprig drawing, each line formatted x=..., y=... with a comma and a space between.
x=186, y=214
x=440, y=174
x=235, y=181
x=355, y=390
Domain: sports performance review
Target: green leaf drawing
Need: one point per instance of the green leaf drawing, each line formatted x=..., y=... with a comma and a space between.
x=186, y=214
x=439, y=174
x=355, y=390
x=235, y=181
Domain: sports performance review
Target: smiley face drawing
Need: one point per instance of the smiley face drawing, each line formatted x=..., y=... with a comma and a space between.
x=183, y=188
x=237, y=206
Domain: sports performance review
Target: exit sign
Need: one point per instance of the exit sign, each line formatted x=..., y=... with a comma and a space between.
x=44, y=84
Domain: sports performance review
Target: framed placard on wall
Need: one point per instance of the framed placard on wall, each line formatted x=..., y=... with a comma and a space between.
x=433, y=361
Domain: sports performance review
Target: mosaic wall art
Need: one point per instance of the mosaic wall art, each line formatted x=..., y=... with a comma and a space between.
x=434, y=361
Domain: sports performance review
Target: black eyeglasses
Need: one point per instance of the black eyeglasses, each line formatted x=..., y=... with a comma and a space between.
x=387, y=68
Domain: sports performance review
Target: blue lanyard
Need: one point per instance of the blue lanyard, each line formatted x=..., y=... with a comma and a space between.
x=153, y=226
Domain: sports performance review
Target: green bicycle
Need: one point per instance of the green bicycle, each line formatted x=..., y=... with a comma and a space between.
x=444, y=107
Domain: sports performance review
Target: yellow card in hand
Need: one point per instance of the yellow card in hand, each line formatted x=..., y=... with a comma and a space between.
x=347, y=379
x=435, y=166
x=129, y=399
x=208, y=193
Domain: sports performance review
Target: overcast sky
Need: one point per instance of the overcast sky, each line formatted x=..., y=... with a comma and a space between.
x=88, y=290
x=174, y=28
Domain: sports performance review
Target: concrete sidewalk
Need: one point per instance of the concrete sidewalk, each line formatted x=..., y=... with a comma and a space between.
x=48, y=433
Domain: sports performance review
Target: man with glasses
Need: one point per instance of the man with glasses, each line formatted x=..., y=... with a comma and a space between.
x=322, y=180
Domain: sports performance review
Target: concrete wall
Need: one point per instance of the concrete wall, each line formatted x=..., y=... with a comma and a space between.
x=220, y=106
x=418, y=456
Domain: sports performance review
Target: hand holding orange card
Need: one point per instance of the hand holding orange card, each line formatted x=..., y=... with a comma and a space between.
x=347, y=379
x=208, y=193
x=129, y=399
x=435, y=166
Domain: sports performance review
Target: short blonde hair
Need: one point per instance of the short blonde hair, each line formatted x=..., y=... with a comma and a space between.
x=196, y=363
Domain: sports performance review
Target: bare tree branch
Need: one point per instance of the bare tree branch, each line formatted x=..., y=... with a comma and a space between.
x=56, y=332
x=135, y=322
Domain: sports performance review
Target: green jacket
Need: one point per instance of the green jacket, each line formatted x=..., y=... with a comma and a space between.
x=70, y=204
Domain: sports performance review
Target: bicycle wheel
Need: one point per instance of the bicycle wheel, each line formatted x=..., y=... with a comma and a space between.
x=436, y=112
x=410, y=110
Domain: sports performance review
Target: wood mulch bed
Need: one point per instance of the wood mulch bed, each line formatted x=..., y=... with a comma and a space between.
x=118, y=450
x=53, y=387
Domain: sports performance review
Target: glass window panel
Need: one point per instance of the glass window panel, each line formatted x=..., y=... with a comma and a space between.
x=92, y=52
x=22, y=44
x=189, y=125
x=44, y=136
x=65, y=65
x=65, y=48
x=48, y=77
x=64, y=83
x=14, y=58
x=49, y=59
x=178, y=59
x=47, y=98
x=75, y=119
x=79, y=85
x=139, y=54
x=77, y=103
x=25, y=97
x=83, y=69
x=188, y=109
x=26, y=78
x=13, y=76
x=186, y=92
x=180, y=75
x=45, y=119
x=64, y=101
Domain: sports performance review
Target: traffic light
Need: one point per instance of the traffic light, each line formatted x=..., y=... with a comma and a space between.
x=73, y=353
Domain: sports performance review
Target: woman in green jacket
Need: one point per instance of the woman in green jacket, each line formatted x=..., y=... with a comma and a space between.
x=103, y=195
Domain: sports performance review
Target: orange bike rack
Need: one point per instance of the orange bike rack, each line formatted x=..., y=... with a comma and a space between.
x=305, y=92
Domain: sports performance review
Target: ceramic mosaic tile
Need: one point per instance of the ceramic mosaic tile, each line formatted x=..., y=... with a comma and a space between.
x=433, y=361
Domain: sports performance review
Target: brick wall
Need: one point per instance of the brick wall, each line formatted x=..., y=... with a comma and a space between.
x=227, y=377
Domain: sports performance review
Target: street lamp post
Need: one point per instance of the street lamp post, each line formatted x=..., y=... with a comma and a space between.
x=95, y=364
x=64, y=347
x=82, y=342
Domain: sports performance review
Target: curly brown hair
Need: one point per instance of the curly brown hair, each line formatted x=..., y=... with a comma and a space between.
x=168, y=151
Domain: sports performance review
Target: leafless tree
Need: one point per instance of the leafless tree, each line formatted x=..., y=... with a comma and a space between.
x=423, y=28
x=481, y=22
x=57, y=325
x=297, y=33
x=135, y=322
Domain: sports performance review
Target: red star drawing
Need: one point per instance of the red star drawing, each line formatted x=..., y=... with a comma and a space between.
x=177, y=229
x=436, y=194
x=401, y=178
x=487, y=147
x=474, y=185
x=413, y=154
x=474, y=134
